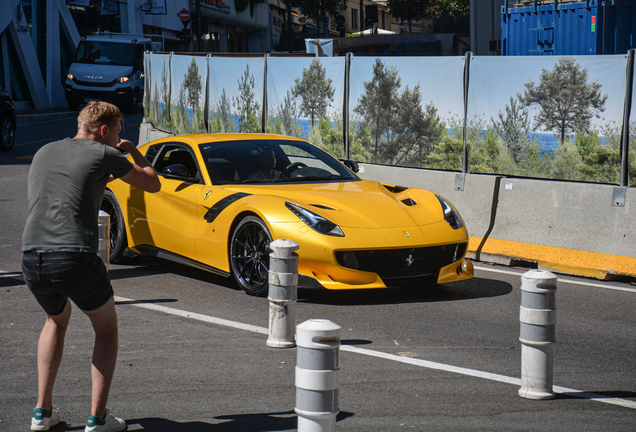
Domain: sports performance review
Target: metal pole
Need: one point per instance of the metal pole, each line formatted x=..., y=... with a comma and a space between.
x=283, y=284
x=290, y=33
x=537, y=316
x=362, y=17
x=318, y=375
x=103, y=223
x=626, y=115
x=345, y=113
x=466, y=83
x=198, y=25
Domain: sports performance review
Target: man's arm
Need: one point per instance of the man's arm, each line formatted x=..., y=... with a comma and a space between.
x=142, y=174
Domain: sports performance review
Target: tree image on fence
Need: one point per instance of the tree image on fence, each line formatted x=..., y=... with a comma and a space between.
x=315, y=91
x=159, y=114
x=399, y=130
x=244, y=104
x=566, y=101
x=187, y=112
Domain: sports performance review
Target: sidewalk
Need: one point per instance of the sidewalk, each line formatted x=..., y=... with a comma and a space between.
x=34, y=116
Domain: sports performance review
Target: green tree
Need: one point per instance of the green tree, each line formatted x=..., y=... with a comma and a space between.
x=566, y=102
x=513, y=127
x=192, y=85
x=315, y=90
x=246, y=104
x=323, y=10
x=451, y=16
x=287, y=116
x=224, y=122
x=411, y=10
x=401, y=131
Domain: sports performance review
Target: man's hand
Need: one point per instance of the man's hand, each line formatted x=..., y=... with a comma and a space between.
x=125, y=146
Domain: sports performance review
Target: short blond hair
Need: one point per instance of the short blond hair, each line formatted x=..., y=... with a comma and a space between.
x=96, y=114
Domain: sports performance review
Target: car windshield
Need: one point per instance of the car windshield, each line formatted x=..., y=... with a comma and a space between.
x=271, y=161
x=110, y=53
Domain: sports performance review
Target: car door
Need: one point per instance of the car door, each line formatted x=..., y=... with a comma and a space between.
x=171, y=214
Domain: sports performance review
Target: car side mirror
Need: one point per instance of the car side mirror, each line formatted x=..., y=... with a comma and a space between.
x=352, y=165
x=178, y=172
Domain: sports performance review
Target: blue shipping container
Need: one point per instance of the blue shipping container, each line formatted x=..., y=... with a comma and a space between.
x=575, y=28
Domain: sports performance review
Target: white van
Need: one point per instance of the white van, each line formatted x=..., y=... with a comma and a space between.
x=108, y=68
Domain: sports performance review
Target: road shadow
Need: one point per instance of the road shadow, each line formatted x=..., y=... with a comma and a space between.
x=276, y=421
x=471, y=289
x=597, y=395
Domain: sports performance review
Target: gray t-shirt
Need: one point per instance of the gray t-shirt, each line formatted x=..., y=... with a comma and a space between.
x=67, y=180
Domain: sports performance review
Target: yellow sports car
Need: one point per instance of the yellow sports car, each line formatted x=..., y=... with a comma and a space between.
x=225, y=197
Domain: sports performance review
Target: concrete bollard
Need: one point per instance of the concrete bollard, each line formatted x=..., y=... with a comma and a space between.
x=282, y=294
x=537, y=334
x=318, y=375
x=103, y=223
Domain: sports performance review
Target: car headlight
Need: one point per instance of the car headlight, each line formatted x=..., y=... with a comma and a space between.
x=70, y=76
x=123, y=79
x=315, y=221
x=450, y=214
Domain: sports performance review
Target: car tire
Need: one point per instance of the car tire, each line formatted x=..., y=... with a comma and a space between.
x=73, y=106
x=118, y=239
x=249, y=255
x=7, y=132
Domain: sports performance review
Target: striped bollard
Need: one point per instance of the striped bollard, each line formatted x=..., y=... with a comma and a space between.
x=537, y=318
x=103, y=223
x=282, y=294
x=317, y=375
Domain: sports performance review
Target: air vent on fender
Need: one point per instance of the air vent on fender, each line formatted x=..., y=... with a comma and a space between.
x=322, y=206
x=409, y=202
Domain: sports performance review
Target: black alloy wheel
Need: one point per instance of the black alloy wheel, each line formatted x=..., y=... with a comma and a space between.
x=7, y=132
x=249, y=255
x=118, y=240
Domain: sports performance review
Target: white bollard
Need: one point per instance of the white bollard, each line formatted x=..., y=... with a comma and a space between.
x=282, y=294
x=317, y=375
x=103, y=223
x=537, y=334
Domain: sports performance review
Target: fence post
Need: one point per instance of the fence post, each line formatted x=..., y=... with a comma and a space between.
x=282, y=294
x=318, y=375
x=103, y=223
x=537, y=334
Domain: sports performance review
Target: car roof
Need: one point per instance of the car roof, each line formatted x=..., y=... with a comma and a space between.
x=196, y=139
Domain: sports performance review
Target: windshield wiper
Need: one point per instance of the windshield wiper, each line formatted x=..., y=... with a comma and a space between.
x=308, y=178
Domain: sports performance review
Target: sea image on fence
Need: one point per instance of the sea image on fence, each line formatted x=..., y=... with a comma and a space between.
x=235, y=94
x=187, y=95
x=547, y=117
x=305, y=99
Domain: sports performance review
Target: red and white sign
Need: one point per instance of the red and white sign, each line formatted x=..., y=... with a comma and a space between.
x=184, y=15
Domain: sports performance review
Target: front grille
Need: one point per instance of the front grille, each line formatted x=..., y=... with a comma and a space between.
x=396, y=266
x=95, y=83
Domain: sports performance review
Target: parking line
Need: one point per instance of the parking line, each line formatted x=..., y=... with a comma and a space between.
x=560, y=279
x=379, y=354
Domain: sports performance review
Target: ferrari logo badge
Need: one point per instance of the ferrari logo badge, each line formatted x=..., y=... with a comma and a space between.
x=409, y=260
x=207, y=194
x=406, y=234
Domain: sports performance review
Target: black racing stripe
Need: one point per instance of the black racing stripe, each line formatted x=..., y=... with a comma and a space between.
x=217, y=208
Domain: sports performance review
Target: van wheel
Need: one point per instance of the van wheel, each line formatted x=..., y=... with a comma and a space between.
x=73, y=106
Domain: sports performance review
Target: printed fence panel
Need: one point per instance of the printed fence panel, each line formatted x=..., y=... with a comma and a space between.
x=547, y=117
x=188, y=77
x=159, y=111
x=235, y=94
x=407, y=111
x=305, y=99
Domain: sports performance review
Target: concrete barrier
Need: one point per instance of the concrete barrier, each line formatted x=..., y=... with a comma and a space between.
x=574, y=228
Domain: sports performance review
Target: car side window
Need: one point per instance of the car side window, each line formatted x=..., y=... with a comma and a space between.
x=173, y=155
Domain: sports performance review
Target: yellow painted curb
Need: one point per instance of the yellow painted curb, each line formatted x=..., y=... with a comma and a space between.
x=584, y=263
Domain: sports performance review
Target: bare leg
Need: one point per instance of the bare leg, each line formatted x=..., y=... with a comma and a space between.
x=104, y=322
x=50, y=351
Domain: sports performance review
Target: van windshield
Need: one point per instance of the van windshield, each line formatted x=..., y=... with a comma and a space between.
x=110, y=53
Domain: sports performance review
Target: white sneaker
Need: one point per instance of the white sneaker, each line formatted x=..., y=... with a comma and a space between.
x=108, y=424
x=43, y=420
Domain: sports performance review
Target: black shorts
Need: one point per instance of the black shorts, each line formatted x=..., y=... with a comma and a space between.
x=53, y=277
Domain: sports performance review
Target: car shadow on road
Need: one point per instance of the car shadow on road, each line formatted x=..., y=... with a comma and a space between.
x=474, y=288
x=276, y=421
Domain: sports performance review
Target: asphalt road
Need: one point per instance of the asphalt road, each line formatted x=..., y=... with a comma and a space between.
x=193, y=353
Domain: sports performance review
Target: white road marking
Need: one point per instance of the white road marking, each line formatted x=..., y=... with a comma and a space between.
x=378, y=354
x=561, y=279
